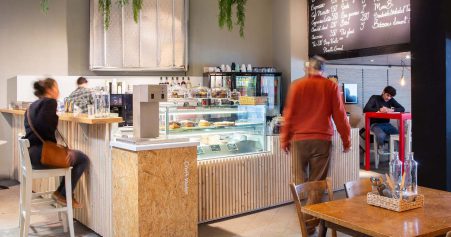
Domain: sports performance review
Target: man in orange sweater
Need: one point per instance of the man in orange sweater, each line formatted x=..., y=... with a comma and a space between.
x=311, y=103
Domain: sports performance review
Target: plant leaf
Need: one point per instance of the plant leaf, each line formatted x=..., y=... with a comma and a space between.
x=105, y=9
x=137, y=6
x=44, y=6
x=241, y=15
x=122, y=3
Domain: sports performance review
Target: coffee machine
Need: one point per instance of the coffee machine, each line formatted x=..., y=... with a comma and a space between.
x=122, y=104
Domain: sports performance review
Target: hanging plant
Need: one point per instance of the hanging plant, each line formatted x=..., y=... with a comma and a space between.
x=45, y=6
x=137, y=6
x=225, y=14
x=105, y=9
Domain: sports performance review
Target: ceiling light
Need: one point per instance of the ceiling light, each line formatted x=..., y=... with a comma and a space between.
x=408, y=56
x=372, y=60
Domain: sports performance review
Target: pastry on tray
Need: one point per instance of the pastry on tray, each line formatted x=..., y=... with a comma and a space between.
x=174, y=125
x=220, y=93
x=187, y=124
x=204, y=123
x=224, y=123
x=200, y=92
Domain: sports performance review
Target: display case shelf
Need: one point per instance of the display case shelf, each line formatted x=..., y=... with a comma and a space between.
x=246, y=135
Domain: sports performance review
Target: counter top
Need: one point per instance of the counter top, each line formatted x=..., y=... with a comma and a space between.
x=82, y=118
x=158, y=146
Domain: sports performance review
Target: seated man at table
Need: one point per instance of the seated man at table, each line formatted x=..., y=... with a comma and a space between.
x=384, y=103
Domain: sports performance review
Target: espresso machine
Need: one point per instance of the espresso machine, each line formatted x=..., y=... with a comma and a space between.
x=122, y=104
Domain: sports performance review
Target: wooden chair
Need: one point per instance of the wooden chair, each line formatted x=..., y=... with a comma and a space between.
x=358, y=187
x=448, y=234
x=302, y=190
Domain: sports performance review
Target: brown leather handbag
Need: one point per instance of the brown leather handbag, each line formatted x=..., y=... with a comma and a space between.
x=53, y=154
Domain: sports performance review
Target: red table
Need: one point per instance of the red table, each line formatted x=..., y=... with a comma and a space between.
x=399, y=116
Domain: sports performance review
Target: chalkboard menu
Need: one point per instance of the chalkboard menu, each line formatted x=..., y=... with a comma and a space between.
x=344, y=25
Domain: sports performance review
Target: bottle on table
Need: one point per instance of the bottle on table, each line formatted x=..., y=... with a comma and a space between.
x=410, y=170
x=395, y=171
x=177, y=81
x=161, y=81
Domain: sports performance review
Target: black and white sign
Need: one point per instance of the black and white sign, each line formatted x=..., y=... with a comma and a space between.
x=343, y=25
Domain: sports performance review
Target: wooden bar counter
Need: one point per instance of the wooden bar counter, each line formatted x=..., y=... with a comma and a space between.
x=91, y=136
x=155, y=190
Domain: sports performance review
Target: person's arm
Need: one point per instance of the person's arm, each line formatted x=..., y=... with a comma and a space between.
x=371, y=105
x=286, y=131
x=398, y=107
x=340, y=118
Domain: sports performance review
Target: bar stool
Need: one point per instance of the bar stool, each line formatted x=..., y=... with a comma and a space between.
x=376, y=154
x=29, y=199
x=408, y=141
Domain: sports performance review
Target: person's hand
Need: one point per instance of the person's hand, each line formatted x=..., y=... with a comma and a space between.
x=347, y=149
x=286, y=148
x=384, y=109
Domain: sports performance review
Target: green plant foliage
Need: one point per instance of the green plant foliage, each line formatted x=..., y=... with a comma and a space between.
x=122, y=3
x=137, y=6
x=105, y=9
x=45, y=6
x=241, y=15
x=225, y=14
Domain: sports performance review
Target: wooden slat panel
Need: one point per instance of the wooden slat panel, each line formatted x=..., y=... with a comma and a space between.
x=236, y=185
x=94, y=188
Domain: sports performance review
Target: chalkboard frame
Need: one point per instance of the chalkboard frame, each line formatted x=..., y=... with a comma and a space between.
x=355, y=53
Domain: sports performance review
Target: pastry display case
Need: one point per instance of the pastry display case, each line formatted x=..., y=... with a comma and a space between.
x=226, y=130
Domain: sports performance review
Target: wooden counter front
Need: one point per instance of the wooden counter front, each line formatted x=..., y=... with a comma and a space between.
x=69, y=117
x=155, y=192
x=91, y=136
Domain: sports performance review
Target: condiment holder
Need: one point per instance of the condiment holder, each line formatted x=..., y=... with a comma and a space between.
x=385, y=195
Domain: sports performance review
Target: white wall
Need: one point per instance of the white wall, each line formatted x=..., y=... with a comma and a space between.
x=290, y=39
x=371, y=80
x=210, y=45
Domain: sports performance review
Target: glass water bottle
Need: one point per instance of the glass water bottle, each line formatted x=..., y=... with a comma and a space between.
x=396, y=171
x=410, y=169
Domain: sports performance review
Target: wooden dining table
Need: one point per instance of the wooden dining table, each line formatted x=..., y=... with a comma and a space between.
x=354, y=216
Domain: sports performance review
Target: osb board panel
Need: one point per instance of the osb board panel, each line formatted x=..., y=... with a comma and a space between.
x=168, y=192
x=125, y=193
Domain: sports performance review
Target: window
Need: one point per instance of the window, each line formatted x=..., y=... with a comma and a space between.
x=158, y=42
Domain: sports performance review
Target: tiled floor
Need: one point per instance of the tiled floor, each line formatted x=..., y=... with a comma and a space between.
x=281, y=221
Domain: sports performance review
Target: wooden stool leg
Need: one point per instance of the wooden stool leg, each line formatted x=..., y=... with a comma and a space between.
x=70, y=216
x=27, y=205
x=334, y=233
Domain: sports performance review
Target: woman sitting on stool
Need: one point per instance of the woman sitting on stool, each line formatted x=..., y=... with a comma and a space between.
x=45, y=120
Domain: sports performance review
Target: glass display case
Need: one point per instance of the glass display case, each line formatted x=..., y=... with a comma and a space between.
x=226, y=130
